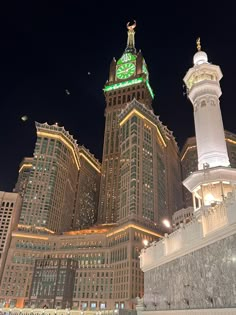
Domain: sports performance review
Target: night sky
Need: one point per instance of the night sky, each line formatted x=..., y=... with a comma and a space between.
x=46, y=49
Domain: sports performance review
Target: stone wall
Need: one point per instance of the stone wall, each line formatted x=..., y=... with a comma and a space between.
x=205, y=278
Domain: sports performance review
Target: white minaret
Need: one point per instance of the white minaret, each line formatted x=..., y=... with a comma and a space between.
x=202, y=81
x=214, y=178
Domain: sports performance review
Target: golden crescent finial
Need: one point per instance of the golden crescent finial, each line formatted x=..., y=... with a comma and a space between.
x=198, y=42
x=131, y=27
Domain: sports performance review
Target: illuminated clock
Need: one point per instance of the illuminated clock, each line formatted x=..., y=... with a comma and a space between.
x=125, y=71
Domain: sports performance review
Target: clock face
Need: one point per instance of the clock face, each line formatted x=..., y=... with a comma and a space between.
x=125, y=71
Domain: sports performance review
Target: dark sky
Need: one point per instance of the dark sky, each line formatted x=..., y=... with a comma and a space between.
x=47, y=47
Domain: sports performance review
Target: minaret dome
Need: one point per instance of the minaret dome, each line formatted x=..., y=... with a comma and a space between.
x=200, y=57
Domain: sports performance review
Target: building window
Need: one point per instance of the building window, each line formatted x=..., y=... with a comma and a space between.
x=93, y=305
x=102, y=306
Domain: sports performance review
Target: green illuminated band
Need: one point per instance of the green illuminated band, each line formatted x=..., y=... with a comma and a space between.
x=122, y=84
x=150, y=89
x=127, y=83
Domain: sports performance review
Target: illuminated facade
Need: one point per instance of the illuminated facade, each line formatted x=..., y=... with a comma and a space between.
x=145, y=169
x=189, y=160
x=60, y=171
x=108, y=274
x=23, y=177
x=9, y=216
x=128, y=80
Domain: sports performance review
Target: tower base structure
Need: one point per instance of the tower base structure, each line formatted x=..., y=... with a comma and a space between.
x=192, y=270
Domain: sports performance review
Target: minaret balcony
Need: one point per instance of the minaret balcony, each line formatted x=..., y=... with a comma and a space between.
x=211, y=186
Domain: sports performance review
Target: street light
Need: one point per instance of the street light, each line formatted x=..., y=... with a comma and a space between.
x=166, y=223
x=145, y=243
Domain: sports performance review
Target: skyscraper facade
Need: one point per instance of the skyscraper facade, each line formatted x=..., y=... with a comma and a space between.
x=146, y=190
x=129, y=80
x=108, y=271
x=51, y=198
x=9, y=217
x=23, y=176
x=87, y=191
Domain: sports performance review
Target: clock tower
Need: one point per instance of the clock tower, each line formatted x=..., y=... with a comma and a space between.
x=128, y=80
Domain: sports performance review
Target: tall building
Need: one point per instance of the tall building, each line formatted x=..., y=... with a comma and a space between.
x=189, y=160
x=58, y=179
x=146, y=189
x=128, y=79
x=9, y=217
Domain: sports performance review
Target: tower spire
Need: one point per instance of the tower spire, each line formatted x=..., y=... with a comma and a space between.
x=198, y=42
x=130, y=40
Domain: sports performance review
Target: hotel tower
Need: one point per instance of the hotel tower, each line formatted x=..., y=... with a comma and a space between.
x=63, y=183
x=140, y=156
